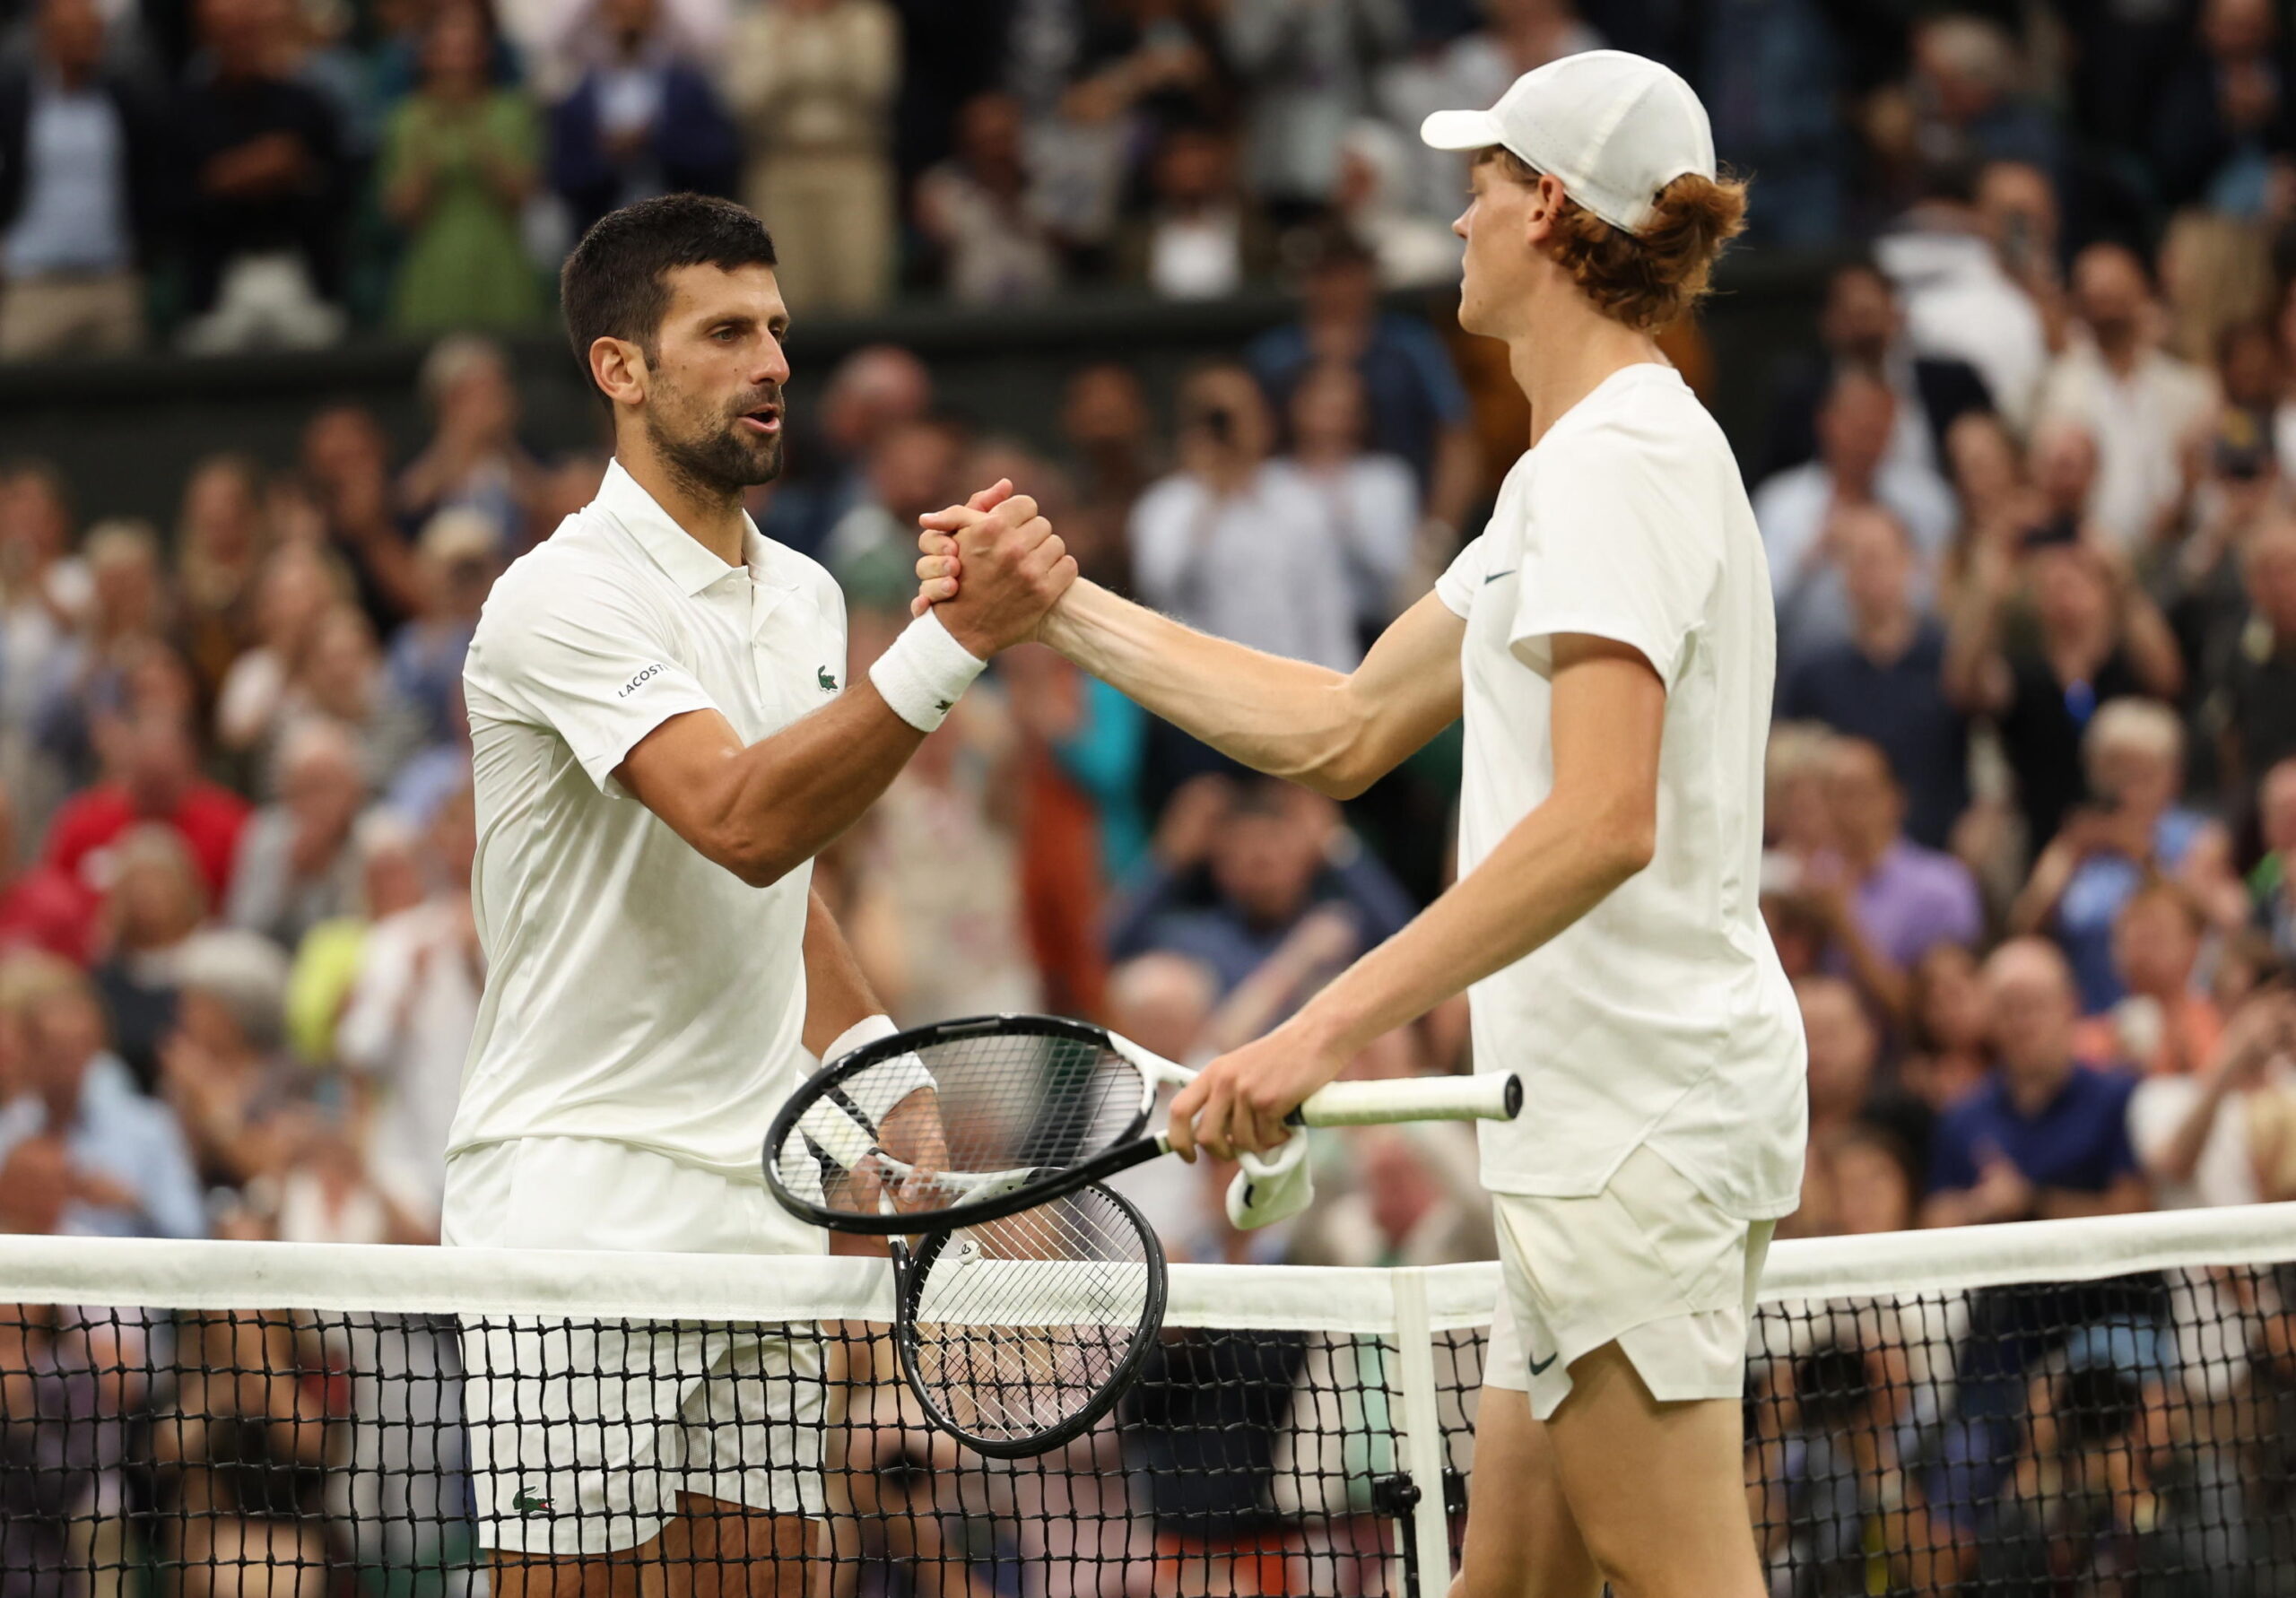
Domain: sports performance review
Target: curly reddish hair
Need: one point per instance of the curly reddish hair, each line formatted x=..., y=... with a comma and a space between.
x=1646, y=280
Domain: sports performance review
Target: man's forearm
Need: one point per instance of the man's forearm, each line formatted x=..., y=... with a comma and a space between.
x=1286, y=718
x=1558, y=863
x=838, y=997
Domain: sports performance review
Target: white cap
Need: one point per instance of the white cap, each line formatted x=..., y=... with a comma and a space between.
x=1613, y=128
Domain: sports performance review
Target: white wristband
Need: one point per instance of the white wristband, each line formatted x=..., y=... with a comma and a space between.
x=875, y=1091
x=924, y=672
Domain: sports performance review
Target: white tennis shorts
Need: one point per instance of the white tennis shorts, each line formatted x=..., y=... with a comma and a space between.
x=1650, y=1264
x=584, y=1433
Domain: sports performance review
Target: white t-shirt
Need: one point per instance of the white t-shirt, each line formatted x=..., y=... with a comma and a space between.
x=635, y=992
x=2224, y=1174
x=1219, y=563
x=1662, y=1016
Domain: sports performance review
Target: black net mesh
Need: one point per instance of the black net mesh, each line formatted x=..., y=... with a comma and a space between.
x=2136, y=1436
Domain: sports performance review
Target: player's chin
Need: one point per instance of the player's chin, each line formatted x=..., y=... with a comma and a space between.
x=760, y=457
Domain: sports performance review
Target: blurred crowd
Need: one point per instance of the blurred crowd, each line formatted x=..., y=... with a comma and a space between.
x=234, y=174
x=2028, y=503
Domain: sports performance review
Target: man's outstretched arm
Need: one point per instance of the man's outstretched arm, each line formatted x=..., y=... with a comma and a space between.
x=1595, y=829
x=1335, y=733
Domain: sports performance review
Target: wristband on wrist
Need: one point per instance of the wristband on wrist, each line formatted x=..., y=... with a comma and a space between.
x=925, y=672
x=877, y=1089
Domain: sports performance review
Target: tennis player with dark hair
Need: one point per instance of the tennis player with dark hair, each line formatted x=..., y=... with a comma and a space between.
x=1609, y=640
x=662, y=738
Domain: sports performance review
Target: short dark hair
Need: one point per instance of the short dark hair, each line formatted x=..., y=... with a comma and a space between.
x=611, y=287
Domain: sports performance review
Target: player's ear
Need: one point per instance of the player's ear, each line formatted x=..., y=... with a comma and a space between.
x=618, y=366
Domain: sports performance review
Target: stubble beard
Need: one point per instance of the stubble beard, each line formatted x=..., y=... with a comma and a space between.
x=716, y=461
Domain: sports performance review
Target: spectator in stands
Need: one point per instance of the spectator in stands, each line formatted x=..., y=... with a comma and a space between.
x=292, y=595
x=1231, y=874
x=155, y=778
x=346, y=465
x=911, y=470
x=39, y=908
x=813, y=82
x=872, y=391
x=222, y=1066
x=2134, y=825
x=643, y=120
x=1798, y=511
x=2143, y=405
x=2080, y=1497
x=1202, y=236
x=407, y=1021
x=155, y=904
x=2047, y=1135
x=297, y=866
x=2096, y=637
x=1948, y=1053
x=341, y=679
x=1889, y=900
x=2271, y=884
x=1306, y=77
x=1411, y=248
x=1846, y=1085
x=1976, y=274
x=1966, y=102
x=975, y=209
x=1212, y=540
x=130, y=1172
x=325, y=966
x=264, y=184
x=2193, y=1132
x=460, y=157
x=2257, y=674
x=474, y=458
x=1861, y=326
x=1112, y=458
x=457, y=564
x=79, y=158
x=2164, y=1024
x=220, y=544
x=1419, y=409
x=1885, y=682
x=85, y=679
x=1371, y=499
x=2225, y=128
x=1505, y=39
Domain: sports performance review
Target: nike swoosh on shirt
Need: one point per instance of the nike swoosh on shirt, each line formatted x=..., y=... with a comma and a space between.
x=1495, y=575
x=1539, y=1366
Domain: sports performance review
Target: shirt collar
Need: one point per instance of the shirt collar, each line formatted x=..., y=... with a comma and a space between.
x=679, y=554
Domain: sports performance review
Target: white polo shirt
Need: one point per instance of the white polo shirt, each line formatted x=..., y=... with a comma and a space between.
x=635, y=992
x=1661, y=1017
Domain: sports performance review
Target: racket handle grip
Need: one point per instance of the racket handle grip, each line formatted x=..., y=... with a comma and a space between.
x=1491, y=1096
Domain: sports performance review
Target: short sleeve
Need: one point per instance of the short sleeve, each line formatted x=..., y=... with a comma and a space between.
x=1456, y=588
x=582, y=656
x=1611, y=552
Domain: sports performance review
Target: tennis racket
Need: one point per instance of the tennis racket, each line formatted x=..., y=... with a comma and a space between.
x=1017, y=1334
x=965, y=1121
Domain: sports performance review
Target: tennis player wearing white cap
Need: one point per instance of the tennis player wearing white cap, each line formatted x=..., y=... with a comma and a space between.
x=1609, y=640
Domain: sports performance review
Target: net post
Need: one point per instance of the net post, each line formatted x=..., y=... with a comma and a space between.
x=1418, y=1428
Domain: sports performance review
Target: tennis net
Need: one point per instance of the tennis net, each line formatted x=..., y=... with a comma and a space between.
x=2061, y=1408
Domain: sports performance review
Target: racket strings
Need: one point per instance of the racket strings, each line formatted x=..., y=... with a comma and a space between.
x=1006, y=1103
x=1022, y=1322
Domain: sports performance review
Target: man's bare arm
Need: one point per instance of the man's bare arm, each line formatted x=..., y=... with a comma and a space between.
x=1595, y=829
x=838, y=997
x=763, y=809
x=1333, y=733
